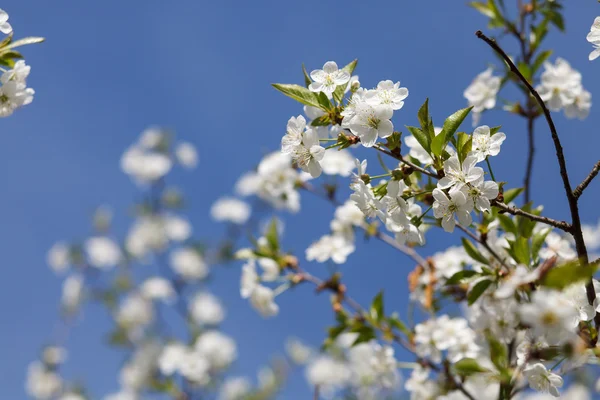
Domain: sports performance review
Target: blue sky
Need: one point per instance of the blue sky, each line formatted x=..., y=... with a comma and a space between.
x=109, y=69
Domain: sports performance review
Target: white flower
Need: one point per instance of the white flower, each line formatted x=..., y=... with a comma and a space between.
x=236, y=388
x=219, y=349
x=42, y=384
x=542, y=380
x=293, y=134
x=158, y=288
x=389, y=94
x=327, y=79
x=249, y=279
x=54, y=355
x=125, y=394
x=411, y=234
x=308, y=154
x=365, y=200
x=481, y=93
x=334, y=247
x=145, y=166
x=171, y=358
x=594, y=38
x=270, y=269
x=371, y=122
x=102, y=252
x=4, y=24
x=72, y=292
x=485, y=145
x=206, y=309
x=446, y=208
x=520, y=276
x=186, y=155
x=188, y=263
x=551, y=314
x=71, y=396
x=457, y=175
x=557, y=246
x=58, y=257
x=229, y=209
x=339, y=162
x=262, y=299
x=195, y=367
x=297, y=351
x=151, y=137
x=328, y=374
x=480, y=192
x=134, y=312
x=580, y=108
x=560, y=84
x=176, y=228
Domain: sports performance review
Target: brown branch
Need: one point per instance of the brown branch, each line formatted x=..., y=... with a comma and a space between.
x=410, y=164
x=484, y=243
x=575, y=229
x=579, y=189
x=530, y=156
x=563, y=225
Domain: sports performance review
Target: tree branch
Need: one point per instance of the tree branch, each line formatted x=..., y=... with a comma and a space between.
x=579, y=189
x=530, y=155
x=575, y=229
x=402, y=160
x=548, y=221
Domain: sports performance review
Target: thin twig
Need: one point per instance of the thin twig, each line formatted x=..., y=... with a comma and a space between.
x=575, y=229
x=563, y=225
x=484, y=243
x=402, y=160
x=579, y=189
x=530, y=156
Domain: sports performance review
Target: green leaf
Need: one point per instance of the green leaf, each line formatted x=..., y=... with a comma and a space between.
x=498, y=352
x=272, y=235
x=425, y=120
x=307, y=80
x=537, y=242
x=338, y=93
x=464, y=144
x=421, y=137
x=395, y=322
x=540, y=59
x=460, y=275
x=365, y=334
x=511, y=194
x=519, y=250
x=323, y=120
x=377, y=312
x=453, y=122
x=567, y=274
x=507, y=223
x=438, y=144
x=479, y=288
x=482, y=8
x=495, y=129
x=473, y=252
x=302, y=95
x=525, y=70
x=468, y=366
x=25, y=41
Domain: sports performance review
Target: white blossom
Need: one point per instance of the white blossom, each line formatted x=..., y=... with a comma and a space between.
x=158, y=288
x=262, y=299
x=219, y=349
x=560, y=84
x=58, y=257
x=102, y=252
x=542, y=380
x=447, y=208
x=186, y=155
x=485, y=144
x=188, y=263
x=389, y=94
x=206, y=309
x=326, y=80
x=4, y=24
x=229, y=209
x=481, y=93
x=594, y=38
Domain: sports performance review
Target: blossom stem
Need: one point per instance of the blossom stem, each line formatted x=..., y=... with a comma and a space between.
x=402, y=160
x=487, y=161
x=380, y=176
x=563, y=225
x=328, y=140
x=420, y=217
x=333, y=145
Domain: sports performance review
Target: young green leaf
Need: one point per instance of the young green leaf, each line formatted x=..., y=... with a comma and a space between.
x=421, y=137
x=453, y=122
x=479, y=288
x=473, y=252
x=567, y=274
x=302, y=95
x=377, y=311
x=468, y=366
x=307, y=80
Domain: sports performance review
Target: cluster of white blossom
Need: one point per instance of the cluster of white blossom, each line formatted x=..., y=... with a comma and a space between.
x=481, y=93
x=561, y=89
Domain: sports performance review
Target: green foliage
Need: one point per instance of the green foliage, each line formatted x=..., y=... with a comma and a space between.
x=453, y=122
x=304, y=96
x=567, y=274
x=473, y=252
x=477, y=290
x=377, y=310
x=468, y=366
